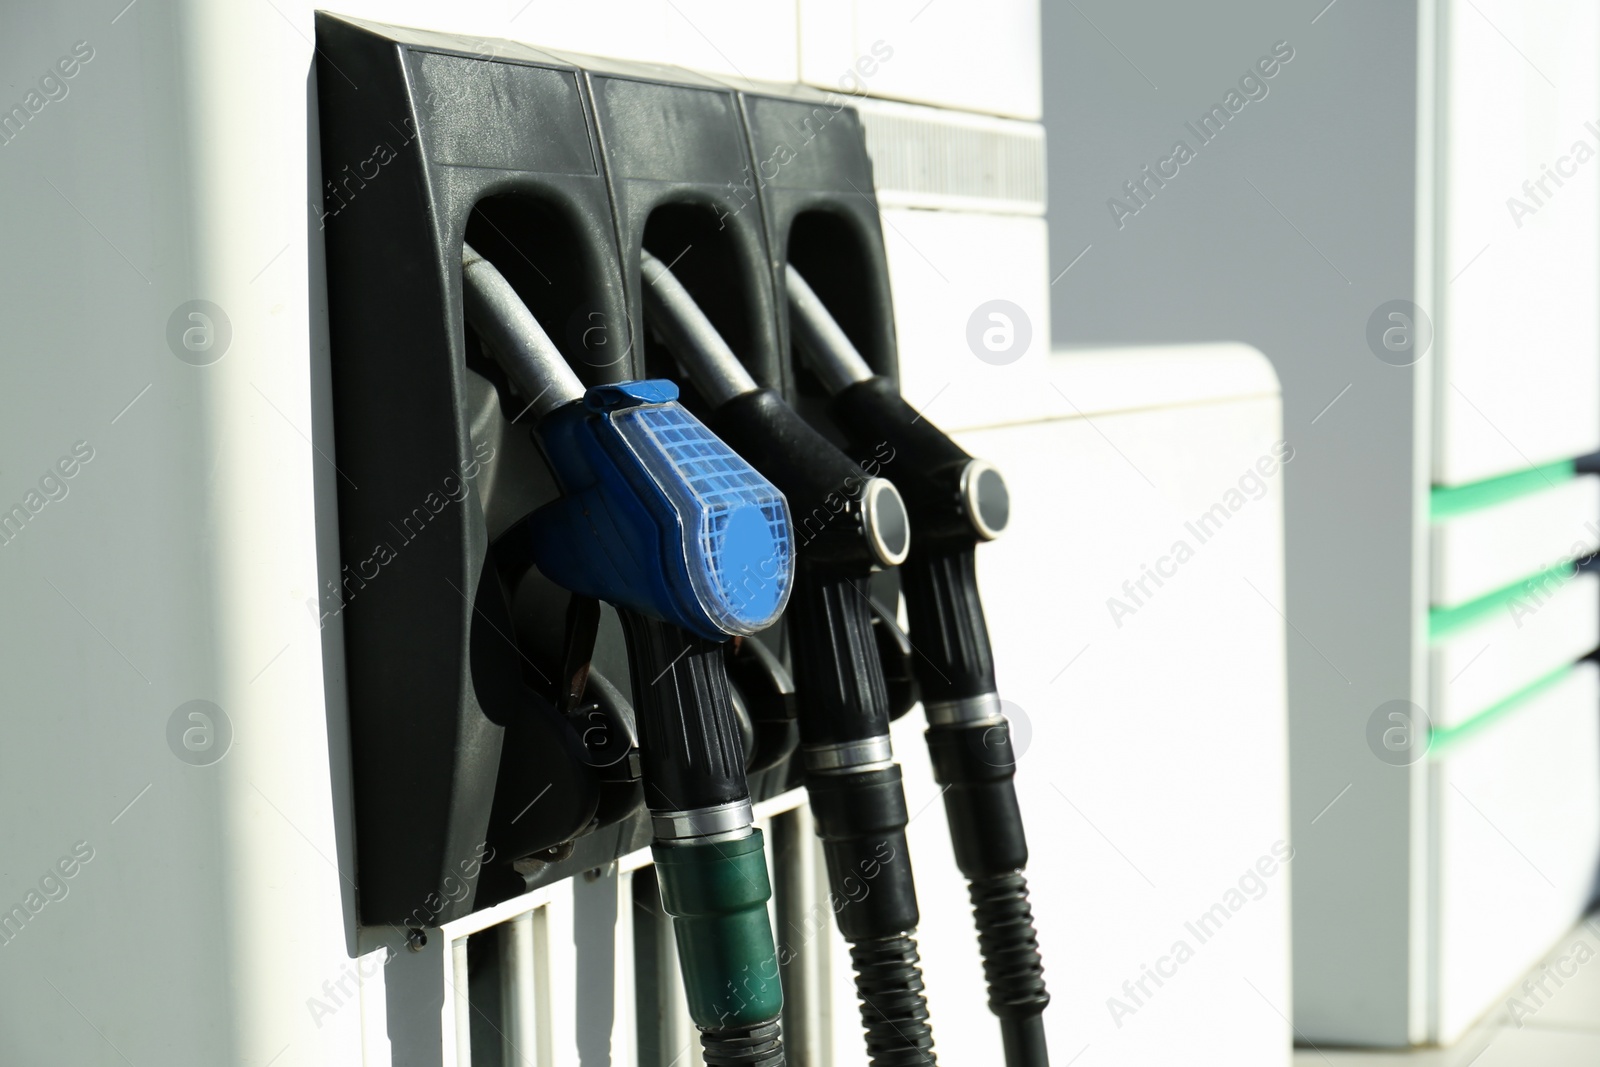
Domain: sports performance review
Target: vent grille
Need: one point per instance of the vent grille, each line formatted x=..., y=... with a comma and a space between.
x=922, y=158
x=586, y=969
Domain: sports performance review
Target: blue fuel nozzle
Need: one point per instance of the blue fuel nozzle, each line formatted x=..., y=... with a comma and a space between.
x=660, y=516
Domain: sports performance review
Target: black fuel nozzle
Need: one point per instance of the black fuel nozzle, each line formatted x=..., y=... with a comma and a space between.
x=691, y=545
x=843, y=516
x=954, y=499
x=847, y=525
x=955, y=503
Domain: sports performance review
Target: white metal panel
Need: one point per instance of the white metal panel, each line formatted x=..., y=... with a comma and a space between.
x=1115, y=721
x=1518, y=822
x=174, y=169
x=945, y=269
x=1519, y=643
x=375, y=1047
x=827, y=45
x=624, y=1044
x=1519, y=329
x=558, y=956
x=1480, y=551
x=458, y=990
x=977, y=57
x=520, y=947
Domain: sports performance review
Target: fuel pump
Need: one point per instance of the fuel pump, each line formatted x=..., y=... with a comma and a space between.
x=692, y=546
x=849, y=525
x=955, y=503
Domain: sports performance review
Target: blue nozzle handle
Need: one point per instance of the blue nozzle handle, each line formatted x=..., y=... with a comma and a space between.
x=660, y=516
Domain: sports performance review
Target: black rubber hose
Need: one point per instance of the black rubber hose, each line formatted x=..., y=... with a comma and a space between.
x=1011, y=964
x=751, y=1046
x=1023, y=1040
x=894, y=1009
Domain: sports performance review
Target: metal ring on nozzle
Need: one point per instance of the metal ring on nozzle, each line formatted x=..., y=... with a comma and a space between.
x=985, y=498
x=720, y=822
x=885, y=521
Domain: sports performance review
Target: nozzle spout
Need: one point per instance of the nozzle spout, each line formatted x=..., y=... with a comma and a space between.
x=505, y=324
x=673, y=314
x=821, y=342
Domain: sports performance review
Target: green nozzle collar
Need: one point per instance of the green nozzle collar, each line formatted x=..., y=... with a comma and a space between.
x=717, y=893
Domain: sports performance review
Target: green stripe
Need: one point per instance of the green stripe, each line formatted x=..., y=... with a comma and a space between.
x=1448, y=500
x=1441, y=739
x=1442, y=622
